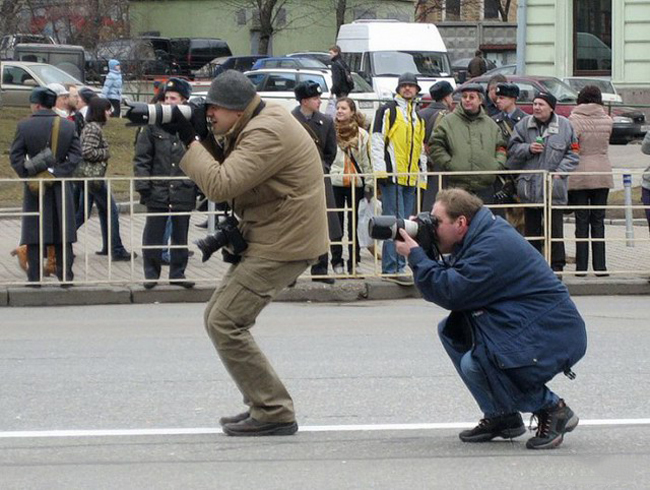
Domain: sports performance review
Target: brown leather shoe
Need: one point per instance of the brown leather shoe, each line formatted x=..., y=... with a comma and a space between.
x=254, y=428
x=234, y=419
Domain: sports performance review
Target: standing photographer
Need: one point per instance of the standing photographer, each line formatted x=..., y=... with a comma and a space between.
x=512, y=327
x=158, y=153
x=265, y=165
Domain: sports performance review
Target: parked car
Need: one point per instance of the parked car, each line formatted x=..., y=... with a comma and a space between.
x=606, y=87
x=285, y=62
x=193, y=53
x=629, y=123
x=277, y=84
x=316, y=55
x=20, y=77
x=138, y=57
x=239, y=63
x=459, y=68
x=8, y=43
x=501, y=70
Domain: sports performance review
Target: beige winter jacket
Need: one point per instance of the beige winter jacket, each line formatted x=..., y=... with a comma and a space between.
x=273, y=172
x=593, y=127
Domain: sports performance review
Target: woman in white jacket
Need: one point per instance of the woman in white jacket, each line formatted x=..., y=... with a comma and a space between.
x=352, y=160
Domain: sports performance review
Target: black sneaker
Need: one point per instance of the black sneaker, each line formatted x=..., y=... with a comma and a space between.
x=507, y=427
x=552, y=425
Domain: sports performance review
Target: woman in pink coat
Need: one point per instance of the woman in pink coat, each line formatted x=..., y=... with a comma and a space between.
x=593, y=127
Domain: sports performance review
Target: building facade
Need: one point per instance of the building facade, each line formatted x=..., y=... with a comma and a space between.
x=602, y=38
x=300, y=25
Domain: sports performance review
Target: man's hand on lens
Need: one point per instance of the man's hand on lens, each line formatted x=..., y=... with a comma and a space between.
x=181, y=126
x=405, y=245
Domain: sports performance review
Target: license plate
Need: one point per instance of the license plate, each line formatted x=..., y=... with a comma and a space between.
x=365, y=104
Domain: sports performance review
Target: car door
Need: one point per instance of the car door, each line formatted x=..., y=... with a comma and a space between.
x=278, y=87
x=17, y=85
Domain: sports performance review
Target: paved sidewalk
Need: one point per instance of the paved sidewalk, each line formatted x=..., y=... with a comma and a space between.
x=97, y=283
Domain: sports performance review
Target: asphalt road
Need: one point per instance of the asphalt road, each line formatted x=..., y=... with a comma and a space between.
x=363, y=376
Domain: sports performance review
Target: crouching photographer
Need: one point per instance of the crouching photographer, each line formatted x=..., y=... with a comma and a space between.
x=512, y=326
x=262, y=162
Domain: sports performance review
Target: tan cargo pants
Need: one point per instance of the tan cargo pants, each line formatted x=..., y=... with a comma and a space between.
x=244, y=291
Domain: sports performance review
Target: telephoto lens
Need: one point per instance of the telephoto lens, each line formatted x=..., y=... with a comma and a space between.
x=387, y=227
x=141, y=114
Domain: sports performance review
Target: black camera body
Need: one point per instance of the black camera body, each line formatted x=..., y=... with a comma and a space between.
x=141, y=114
x=228, y=236
x=423, y=229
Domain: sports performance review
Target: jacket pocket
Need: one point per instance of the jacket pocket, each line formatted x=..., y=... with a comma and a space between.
x=516, y=359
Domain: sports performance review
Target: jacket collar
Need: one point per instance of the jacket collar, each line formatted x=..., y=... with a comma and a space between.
x=231, y=136
x=481, y=221
x=44, y=113
x=553, y=122
x=403, y=103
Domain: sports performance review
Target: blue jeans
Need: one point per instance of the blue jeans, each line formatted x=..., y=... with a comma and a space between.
x=478, y=384
x=396, y=200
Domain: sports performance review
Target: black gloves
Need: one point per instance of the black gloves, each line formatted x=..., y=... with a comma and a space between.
x=181, y=126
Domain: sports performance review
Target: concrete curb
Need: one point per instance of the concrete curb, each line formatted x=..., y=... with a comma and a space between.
x=343, y=291
x=75, y=296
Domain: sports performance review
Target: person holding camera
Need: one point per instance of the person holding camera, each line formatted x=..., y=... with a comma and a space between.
x=513, y=325
x=158, y=152
x=46, y=147
x=262, y=162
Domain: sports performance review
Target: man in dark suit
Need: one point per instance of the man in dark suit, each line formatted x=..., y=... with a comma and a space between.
x=46, y=148
x=321, y=129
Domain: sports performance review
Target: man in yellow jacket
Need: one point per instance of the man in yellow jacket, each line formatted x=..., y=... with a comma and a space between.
x=262, y=162
x=399, y=162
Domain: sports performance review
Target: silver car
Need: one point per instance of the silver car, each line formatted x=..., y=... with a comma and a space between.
x=20, y=77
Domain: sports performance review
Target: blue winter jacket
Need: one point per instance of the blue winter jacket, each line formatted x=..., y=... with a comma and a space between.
x=113, y=85
x=507, y=306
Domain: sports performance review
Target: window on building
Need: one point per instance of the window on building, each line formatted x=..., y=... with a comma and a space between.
x=452, y=10
x=592, y=37
x=240, y=17
x=491, y=9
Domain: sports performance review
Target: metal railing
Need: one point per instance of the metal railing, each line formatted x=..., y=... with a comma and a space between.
x=96, y=271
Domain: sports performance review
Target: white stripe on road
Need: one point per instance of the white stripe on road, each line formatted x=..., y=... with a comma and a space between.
x=308, y=428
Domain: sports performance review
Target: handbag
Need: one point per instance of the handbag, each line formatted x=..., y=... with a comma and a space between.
x=48, y=154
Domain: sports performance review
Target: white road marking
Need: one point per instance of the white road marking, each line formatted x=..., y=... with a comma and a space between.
x=309, y=428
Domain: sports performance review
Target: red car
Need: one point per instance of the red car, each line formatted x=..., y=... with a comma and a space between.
x=629, y=123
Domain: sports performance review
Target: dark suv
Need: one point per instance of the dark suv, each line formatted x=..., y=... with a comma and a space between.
x=193, y=53
x=7, y=43
x=139, y=57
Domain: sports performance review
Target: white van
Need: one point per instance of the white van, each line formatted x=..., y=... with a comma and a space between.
x=381, y=50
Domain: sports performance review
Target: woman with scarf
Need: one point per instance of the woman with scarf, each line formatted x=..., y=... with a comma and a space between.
x=352, y=159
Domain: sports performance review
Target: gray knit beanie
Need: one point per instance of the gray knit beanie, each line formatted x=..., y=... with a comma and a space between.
x=231, y=90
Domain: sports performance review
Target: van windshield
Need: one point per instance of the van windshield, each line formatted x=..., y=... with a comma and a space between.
x=424, y=63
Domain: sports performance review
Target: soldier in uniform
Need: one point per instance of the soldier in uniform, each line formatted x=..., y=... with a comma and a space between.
x=443, y=103
x=507, y=117
x=46, y=147
x=321, y=129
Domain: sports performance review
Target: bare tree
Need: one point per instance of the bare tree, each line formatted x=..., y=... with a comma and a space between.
x=425, y=8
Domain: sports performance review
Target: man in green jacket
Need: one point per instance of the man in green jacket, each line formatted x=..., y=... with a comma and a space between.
x=468, y=140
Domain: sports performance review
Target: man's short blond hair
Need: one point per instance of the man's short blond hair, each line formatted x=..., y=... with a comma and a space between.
x=459, y=202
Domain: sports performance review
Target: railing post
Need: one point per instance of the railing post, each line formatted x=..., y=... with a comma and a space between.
x=629, y=224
